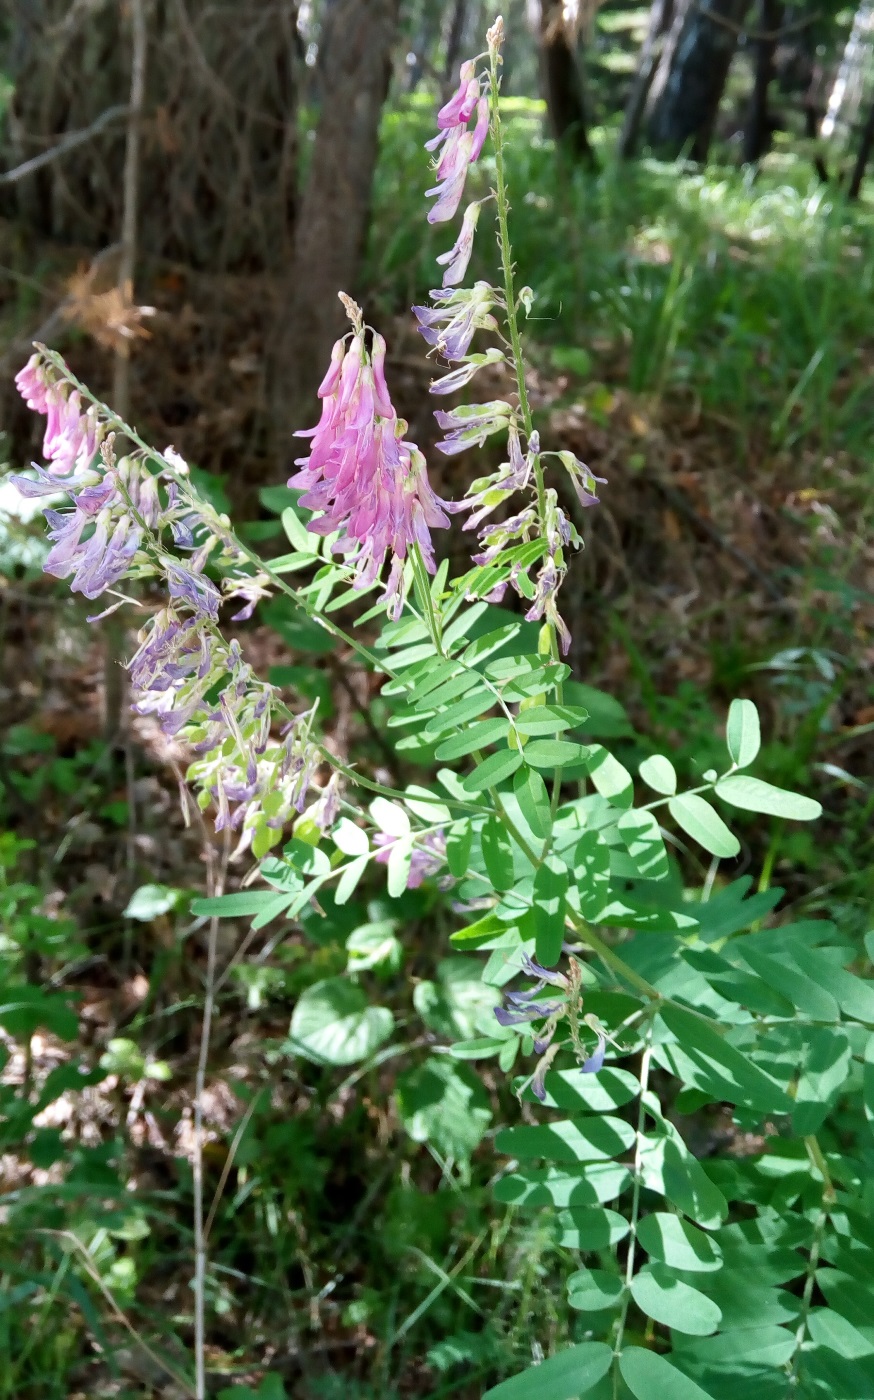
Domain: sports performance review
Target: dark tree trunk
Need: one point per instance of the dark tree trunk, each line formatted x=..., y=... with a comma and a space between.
x=758, y=129
x=689, y=82
x=660, y=15
x=862, y=155
x=563, y=83
x=454, y=37
x=356, y=52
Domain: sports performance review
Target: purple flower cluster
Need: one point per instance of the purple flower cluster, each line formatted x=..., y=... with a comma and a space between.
x=460, y=147
x=370, y=485
x=204, y=692
x=527, y=1007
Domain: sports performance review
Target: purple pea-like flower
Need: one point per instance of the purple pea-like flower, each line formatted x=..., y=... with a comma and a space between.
x=449, y=326
x=459, y=147
x=458, y=257
x=428, y=857
x=596, y=1059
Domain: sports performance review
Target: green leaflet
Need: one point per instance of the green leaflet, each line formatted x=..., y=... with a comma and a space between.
x=573, y=1140
x=666, y=1299
x=594, y=1093
x=753, y=795
x=643, y=841
x=495, y=769
x=569, y=1375
x=497, y=850
x=592, y=1228
x=703, y=1059
x=477, y=736
x=540, y=1186
x=704, y=824
x=533, y=799
x=548, y=910
x=742, y=733
x=553, y=753
x=609, y=777
x=459, y=841
x=669, y=1168
x=471, y=707
x=659, y=773
x=593, y=1290
x=673, y=1241
x=652, y=1377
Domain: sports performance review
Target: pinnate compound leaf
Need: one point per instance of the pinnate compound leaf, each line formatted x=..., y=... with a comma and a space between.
x=659, y=773
x=493, y=770
x=742, y=733
x=652, y=1377
x=704, y=824
x=548, y=910
x=754, y=795
x=334, y=1024
x=666, y=1299
x=571, y=1140
x=568, y=1376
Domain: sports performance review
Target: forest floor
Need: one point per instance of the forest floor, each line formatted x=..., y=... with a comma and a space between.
x=732, y=554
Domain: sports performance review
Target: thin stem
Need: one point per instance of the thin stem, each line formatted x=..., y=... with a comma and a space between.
x=818, y=1162
x=635, y=1205
x=216, y=886
x=127, y=261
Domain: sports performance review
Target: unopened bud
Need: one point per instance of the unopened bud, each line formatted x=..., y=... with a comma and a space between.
x=495, y=37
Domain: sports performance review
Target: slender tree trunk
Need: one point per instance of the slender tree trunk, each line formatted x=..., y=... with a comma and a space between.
x=454, y=37
x=862, y=155
x=689, y=82
x=757, y=132
x=660, y=14
x=334, y=210
x=565, y=96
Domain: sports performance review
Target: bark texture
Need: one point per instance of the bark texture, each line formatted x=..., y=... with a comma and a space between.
x=660, y=15
x=689, y=83
x=355, y=54
x=759, y=129
x=563, y=84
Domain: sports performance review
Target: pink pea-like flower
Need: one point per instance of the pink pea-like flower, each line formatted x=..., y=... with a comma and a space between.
x=370, y=485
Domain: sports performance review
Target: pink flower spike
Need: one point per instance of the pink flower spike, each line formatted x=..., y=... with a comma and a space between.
x=458, y=257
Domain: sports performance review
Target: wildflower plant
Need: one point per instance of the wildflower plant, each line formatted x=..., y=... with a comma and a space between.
x=625, y=1001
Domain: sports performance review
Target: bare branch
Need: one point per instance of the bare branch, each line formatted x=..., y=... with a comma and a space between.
x=69, y=143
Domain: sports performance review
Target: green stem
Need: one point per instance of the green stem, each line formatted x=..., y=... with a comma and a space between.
x=817, y=1160
x=635, y=1206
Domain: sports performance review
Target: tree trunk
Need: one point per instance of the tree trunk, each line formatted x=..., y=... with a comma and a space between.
x=689, y=82
x=565, y=97
x=862, y=155
x=758, y=130
x=454, y=37
x=660, y=15
x=355, y=51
